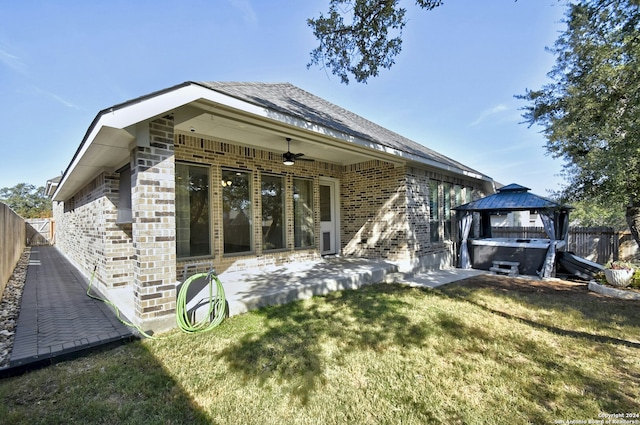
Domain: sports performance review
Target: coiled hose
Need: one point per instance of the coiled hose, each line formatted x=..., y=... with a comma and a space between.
x=217, y=305
x=215, y=315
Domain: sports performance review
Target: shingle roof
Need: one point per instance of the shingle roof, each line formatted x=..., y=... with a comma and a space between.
x=511, y=198
x=294, y=101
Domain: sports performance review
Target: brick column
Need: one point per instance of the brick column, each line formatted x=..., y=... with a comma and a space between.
x=154, y=229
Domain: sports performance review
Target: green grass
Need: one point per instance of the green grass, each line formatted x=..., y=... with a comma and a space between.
x=488, y=351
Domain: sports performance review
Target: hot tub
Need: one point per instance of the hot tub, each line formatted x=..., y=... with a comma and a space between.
x=529, y=252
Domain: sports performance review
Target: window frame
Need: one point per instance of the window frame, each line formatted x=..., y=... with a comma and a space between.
x=284, y=216
x=124, y=210
x=250, y=217
x=209, y=207
x=434, y=212
x=312, y=244
x=447, y=204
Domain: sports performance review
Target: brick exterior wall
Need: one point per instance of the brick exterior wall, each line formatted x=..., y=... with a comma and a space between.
x=88, y=235
x=118, y=249
x=140, y=254
x=384, y=209
x=373, y=213
x=386, y=214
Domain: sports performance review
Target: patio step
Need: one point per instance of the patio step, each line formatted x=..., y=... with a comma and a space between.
x=284, y=284
x=509, y=268
x=397, y=277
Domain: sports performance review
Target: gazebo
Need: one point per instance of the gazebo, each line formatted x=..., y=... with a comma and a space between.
x=533, y=256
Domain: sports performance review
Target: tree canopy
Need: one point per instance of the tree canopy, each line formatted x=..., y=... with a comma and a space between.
x=358, y=37
x=27, y=200
x=590, y=112
x=588, y=214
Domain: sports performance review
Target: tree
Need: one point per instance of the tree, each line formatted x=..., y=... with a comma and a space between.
x=591, y=111
x=365, y=45
x=26, y=200
x=588, y=214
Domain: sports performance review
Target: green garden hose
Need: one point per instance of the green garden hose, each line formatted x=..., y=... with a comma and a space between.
x=216, y=313
x=217, y=305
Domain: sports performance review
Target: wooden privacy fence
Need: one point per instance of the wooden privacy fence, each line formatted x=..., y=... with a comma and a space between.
x=15, y=235
x=12, y=243
x=598, y=244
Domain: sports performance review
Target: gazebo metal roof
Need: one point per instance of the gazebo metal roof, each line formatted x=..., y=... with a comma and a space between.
x=512, y=197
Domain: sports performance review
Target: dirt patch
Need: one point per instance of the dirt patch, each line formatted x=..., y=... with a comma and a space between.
x=558, y=287
x=503, y=283
x=545, y=293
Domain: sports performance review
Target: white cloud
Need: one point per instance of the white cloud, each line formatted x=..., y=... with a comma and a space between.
x=57, y=98
x=244, y=6
x=12, y=61
x=64, y=101
x=488, y=113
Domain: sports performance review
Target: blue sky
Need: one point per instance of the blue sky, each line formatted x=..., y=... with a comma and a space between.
x=452, y=87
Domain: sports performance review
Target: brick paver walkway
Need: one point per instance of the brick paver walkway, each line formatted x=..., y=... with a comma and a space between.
x=57, y=318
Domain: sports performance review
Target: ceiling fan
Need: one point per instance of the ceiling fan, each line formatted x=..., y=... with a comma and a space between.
x=289, y=158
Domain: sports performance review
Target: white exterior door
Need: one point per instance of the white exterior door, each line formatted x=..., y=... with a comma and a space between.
x=328, y=217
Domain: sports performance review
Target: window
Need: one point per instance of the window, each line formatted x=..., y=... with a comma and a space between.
x=434, y=212
x=458, y=200
x=325, y=203
x=192, y=211
x=124, y=196
x=446, y=209
x=273, y=222
x=303, y=224
x=236, y=211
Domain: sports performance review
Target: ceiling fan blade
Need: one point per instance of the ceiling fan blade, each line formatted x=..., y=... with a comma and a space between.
x=291, y=157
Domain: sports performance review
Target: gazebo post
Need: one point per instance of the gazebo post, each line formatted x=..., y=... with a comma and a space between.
x=485, y=224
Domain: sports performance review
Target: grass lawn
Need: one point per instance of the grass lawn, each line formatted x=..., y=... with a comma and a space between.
x=487, y=350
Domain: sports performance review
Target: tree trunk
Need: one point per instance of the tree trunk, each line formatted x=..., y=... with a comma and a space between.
x=633, y=220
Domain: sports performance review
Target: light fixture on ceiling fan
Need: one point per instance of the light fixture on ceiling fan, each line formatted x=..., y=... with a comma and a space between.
x=289, y=158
